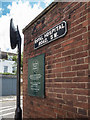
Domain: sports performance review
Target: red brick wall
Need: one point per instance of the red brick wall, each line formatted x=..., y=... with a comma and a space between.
x=66, y=64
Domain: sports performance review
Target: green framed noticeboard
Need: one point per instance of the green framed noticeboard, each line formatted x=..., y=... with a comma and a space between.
x=36, y=76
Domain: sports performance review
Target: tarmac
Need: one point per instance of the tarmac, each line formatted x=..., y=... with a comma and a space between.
x=8, y=98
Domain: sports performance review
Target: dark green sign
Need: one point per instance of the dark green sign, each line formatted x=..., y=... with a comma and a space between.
x=36, y=76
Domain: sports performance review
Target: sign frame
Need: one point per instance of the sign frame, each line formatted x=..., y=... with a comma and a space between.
x=52, y=39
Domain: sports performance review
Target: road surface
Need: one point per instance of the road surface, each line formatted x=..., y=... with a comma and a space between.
x=7, y=109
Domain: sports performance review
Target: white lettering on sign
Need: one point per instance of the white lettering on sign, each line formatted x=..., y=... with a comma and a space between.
x=56, y=32
x=35, y=76
x=43, y=41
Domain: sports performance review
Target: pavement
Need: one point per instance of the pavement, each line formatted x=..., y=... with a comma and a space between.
x=8, y=98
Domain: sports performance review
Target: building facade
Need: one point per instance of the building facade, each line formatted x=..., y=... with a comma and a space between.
x=63, y=87
x=7, y=64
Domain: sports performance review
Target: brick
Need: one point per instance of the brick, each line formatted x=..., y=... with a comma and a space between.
x=81, y=73
x=59, y=60
x=51, y=95
x=59, y=50
x=89, y=27
x=80, y=61
x=78, y=38
x=57, y=46
x=80, y=67
x=70, y=97
x=73, y=85
x=70, y=115
x=67, y=47
x=85, y=35
x=68, y=68
x=80, y=79
x=62, y=80
x=59, y=96
x=79, y=55
x=50, y=76
x=60, y=113
x=81, y=105
x=69, y=91
x=57, y=55
x=85, y=23
x=58, y=65
x=82, y=98
x=80, y=49
x=50, y=66
x=78, y=32
x=58, y=70
x=67, y=42
x=80, y=91
x=69, y=74
x=75, y=28
x=69, y=103
x=57, y=85
x=82, y=111
x=59, y=90
x=67, y=58
x=66, y=64
x=68, y=52
x=68, y=108
x=58, y=75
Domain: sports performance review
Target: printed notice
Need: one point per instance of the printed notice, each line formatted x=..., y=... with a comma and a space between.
x=36, y=76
